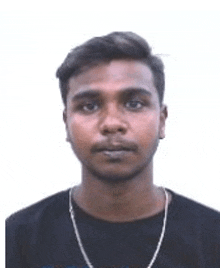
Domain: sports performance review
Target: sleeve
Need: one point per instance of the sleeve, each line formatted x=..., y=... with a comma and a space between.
x=14, y=256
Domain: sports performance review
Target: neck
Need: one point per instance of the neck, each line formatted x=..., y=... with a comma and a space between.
x=124, y=201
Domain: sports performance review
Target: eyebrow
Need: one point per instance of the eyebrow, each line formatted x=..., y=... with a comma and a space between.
x=89, y=94
x=135, y=91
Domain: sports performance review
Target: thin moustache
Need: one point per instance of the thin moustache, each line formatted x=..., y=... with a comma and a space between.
x=114, y=146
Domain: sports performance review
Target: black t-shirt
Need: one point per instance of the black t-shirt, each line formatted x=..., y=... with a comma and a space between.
x=42, y=236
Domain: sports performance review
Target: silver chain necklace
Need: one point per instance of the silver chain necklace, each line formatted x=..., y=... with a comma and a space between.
x=85, y=256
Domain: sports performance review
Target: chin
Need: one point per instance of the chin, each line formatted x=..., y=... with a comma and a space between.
x=114, y=177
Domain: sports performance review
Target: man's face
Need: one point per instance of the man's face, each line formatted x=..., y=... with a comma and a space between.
x=114, y=119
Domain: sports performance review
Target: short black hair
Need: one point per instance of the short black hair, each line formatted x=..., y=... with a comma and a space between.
x=116, y=45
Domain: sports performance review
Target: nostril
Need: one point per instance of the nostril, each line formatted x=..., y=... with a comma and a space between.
x=112, y=130
x=105, y=131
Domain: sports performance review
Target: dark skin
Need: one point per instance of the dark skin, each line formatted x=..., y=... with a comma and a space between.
x=114, y=122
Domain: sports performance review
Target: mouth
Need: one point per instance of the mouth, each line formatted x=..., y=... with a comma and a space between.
x=115, y=151
x=115, y=154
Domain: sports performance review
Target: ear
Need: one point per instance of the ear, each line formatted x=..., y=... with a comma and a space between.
x=65, y=121
x=163, y=117
x=64, y=116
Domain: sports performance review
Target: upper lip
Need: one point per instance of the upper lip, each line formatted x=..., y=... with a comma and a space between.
x=120, y=146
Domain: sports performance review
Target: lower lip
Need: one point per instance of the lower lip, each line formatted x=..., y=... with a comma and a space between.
x=115, y=154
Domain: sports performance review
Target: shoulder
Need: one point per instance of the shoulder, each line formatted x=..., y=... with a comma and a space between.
x=51, y=206
x=192, y=205
x=191, y=212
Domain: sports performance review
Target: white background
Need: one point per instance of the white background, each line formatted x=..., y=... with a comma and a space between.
x=35, y=160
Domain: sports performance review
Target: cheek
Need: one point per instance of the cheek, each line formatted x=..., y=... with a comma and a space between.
x=80, y=133
x=147, y=129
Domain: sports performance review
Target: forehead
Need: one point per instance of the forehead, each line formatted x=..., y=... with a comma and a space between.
x=114, y=76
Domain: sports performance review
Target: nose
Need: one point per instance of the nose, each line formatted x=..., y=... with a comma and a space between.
x=113, y=122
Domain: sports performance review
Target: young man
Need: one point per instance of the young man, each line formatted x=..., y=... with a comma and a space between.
x=112, y=88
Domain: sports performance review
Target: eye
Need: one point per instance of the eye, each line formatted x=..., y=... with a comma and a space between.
x=134, y=105
x=90, y=107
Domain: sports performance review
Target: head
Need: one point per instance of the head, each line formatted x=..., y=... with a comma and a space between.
x=116, y=45
x=112, y=88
